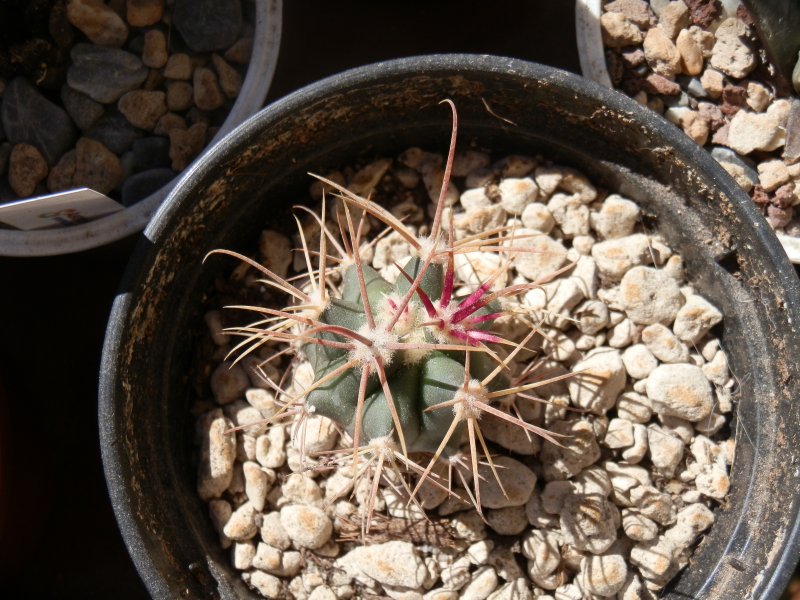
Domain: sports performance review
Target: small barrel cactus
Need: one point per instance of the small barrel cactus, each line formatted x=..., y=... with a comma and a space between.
x=406, y=368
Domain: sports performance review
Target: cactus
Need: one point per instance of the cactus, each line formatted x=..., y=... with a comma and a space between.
x=406, y=369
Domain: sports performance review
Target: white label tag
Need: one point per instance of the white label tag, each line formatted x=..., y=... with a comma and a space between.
x=58, y=210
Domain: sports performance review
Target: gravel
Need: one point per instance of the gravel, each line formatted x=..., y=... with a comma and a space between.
x=149, y=69
x=613, y=510
x=701, y=64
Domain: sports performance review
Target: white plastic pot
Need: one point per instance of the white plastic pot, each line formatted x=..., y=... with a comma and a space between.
x=121, y=224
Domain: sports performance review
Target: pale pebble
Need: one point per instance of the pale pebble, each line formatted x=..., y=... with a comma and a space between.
x=619, y=434
x=484, y=581
x=228, y=382
x=578, y=450
x=680, y=390
x=307, y=526
x=614, y=258
x=640, y=446
x=273, y=532
x=242, y=524
x=731, y=54
x=516, y=194
x=242, y=555
x=537, y=216
x=638, y=527
x=664, y=345
x=599, y=379
x=603, y=575
x=589, y=523
x=267, y=585
x=517, y=480
x=616, y=217
x=639, y=361
x=217, y=455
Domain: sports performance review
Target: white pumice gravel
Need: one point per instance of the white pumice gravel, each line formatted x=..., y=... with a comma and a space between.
x=612, y=511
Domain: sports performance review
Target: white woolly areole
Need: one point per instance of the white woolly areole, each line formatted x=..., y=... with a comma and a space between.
x=385, y=446
x=467, y=399
x=412, y=356
x=380, y=339
x=428, y=247
x=409, y=319
x=316, y=304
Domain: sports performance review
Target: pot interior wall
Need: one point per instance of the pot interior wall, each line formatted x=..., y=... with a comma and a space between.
x=251, y=180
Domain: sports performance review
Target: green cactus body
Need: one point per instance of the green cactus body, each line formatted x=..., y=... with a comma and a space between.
x=416, y=380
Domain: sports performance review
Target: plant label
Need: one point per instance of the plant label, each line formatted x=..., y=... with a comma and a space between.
x=58, y=210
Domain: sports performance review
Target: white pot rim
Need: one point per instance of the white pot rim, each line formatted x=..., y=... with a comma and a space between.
x=75, y=238
x=590, y=41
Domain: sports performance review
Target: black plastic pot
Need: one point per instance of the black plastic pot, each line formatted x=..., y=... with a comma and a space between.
x=253, y=176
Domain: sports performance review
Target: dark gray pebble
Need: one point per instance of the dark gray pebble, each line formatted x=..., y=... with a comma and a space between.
x=5, y=152
x=208, y=25
x=84, y=111
x=151, y=153
x=104, y=74
x=31, y=118
x=141, y=185
x=115, y=133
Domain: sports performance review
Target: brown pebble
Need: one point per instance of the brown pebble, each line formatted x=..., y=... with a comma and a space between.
x=26, y=169
x=169, y=122
x=195, y=115
x=207, y=95
x=784, y=195
x=154, y=81
x=98, y=22
x=179, y=66
x=179, y=95
x=632, y=57
x=614, y=66
x=143, y=108
x=142, y=13
x=240, y=52
x=759, y=195
x=691, y=53
x=703, y=12
x=744, y=15
x=734, y=98
x=229, y=79
x=96, y=166
x=62, y=175
x=712, y=113
x=58, y=25
x=636, y=11
x=154, y=54
x=779, y=217
x=184, y=145
x=656, y=84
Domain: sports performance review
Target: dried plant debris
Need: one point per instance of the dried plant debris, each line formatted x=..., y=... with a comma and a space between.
x=571, y=440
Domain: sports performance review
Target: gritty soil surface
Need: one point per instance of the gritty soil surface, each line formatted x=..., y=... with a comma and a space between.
x=615, y=511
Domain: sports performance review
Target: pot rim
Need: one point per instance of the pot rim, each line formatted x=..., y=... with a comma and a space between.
x=780, y=568
x=104, y=230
